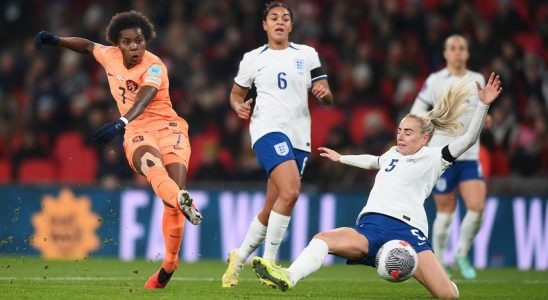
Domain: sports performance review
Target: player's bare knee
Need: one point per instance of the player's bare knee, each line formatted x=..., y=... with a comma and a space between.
x=477, y=206
x=148, y=160
x=446, y=207
x=325, y=237
x=320, y=236
x=289, y=195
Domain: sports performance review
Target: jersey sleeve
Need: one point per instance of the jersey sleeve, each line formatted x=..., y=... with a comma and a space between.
x=364, y=161
x=100, y=53
x=314, y=59
x=246, y=72
x=425, y=98
x=155, y=75
x=465, y=141
x=315, y=66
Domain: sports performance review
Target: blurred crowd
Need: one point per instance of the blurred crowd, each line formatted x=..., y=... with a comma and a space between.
x=377, y=54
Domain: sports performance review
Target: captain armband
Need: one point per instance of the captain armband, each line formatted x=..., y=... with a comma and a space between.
x=446, y=155
x=317, y=74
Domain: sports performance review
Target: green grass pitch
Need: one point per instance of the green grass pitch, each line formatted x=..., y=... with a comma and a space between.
x=104, y=278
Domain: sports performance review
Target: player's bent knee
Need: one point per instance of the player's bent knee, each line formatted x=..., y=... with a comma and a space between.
x=446, y=206
x=321, y=236
x=148, y=160
x=324, y=236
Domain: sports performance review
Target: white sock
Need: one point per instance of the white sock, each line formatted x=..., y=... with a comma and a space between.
x=468, y=229
x=440, y=233
x=309, y=261
x=253, y=239
x=277, y=226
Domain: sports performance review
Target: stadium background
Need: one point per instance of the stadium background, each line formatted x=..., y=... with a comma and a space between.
x=377, y=54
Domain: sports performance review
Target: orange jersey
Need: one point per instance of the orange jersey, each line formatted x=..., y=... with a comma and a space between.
x=125, y=83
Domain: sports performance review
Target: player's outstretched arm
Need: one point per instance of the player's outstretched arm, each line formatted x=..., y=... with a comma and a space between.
x=364, y=161
x=331, y=154
x=487, y=95
x=73, y=43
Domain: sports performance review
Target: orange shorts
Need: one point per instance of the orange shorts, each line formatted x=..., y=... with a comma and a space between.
x=171, y=140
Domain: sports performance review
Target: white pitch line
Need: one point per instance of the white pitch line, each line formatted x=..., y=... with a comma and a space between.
x=212, y=279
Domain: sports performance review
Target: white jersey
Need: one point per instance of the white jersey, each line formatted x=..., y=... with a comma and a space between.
x=402, y=184
x=430, y=92
x=282, y=79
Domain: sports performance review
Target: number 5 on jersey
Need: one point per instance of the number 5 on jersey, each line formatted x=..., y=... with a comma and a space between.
x=392, y=165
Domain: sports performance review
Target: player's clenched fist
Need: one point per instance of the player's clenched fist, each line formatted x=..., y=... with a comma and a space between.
x=44, y=37
x=244, y=109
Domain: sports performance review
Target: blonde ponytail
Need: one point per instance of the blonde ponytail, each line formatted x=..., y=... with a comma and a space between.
x=448, y=109
x=451, y=106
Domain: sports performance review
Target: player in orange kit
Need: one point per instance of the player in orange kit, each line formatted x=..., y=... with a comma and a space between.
x=156, y=139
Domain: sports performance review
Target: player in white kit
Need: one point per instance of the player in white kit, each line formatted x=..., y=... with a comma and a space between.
x=466, y=174
x=394, y=209
x=283, y=74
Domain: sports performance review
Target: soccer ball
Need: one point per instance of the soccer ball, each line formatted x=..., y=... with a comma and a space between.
x=396, y=261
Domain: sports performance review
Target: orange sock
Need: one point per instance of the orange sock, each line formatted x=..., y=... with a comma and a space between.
x=173, y=225
x=163, y=185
